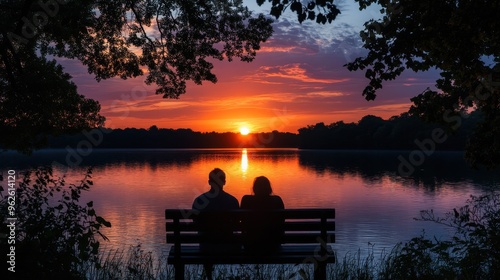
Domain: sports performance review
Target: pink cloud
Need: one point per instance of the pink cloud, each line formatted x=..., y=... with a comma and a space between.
x=293, y=71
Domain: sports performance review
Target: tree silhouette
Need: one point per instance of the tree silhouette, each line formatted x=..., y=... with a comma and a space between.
x=173, y=40
x=460, y=38
x=42, y=101
x=373, y=133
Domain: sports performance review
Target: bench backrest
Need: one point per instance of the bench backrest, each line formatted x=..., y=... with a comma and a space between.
x=301, y=226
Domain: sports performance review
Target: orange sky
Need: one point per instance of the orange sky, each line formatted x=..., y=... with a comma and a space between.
x=297, y=79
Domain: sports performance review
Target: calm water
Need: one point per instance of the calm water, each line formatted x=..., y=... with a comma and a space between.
x=375, y=205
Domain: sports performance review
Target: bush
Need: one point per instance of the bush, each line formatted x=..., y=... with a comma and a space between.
x=472, y=253
x=56, y=235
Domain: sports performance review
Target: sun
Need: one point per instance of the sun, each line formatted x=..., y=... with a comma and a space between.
x=244, y=130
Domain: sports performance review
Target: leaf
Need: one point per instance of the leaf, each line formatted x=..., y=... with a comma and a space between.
x=321, y=19
x=321, y=3
x=296, y=7
x=102, y=221
x=311, y=15
x=276, y=11
x=302, y=17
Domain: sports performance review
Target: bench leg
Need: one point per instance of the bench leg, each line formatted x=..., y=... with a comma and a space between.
x=209, y=268
x=179, y=271
x=320, y=271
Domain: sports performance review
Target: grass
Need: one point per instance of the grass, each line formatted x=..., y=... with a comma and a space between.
x=135, y=263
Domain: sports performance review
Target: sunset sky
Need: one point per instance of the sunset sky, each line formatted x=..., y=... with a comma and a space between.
x=297, y=79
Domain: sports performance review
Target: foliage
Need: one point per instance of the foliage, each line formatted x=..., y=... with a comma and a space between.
x=55, y=234
x=472, y=253
x=322, y=11
x=459, y=38
x=173, y=40
x=372, y=132
x=41, y=101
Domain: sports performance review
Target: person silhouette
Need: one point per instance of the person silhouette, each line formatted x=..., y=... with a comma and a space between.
x=213, y=229
x=262, y=232
x=216, y=198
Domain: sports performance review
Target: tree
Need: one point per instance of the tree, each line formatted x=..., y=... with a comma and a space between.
x=461, y=39
x=173, y=39
x=40, y=101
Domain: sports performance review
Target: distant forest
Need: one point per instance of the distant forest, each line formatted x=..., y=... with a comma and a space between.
x=371, y=132
x=397, y=133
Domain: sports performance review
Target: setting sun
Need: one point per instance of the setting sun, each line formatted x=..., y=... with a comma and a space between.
x=244, y=130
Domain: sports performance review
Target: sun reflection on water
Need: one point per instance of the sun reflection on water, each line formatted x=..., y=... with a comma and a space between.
x=244, y=161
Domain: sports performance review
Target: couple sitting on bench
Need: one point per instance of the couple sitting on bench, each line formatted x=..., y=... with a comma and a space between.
x=260, y=234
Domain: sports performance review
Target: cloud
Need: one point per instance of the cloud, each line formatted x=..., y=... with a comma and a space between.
x=413, y=81
x=284, y=73
x=326, y=94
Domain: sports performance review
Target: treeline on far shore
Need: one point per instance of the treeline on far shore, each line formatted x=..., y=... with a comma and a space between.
x=401, y=132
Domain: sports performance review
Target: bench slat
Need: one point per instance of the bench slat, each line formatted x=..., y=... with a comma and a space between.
x=288, y=226
x=236, y=214
x=194, y=238
x=286, y=254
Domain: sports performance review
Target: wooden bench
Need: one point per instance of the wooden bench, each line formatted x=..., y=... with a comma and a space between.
x=308, y=233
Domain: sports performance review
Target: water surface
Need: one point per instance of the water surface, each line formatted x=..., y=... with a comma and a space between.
x=375, y=206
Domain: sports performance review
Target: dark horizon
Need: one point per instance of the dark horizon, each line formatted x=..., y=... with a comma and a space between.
x=402, y=132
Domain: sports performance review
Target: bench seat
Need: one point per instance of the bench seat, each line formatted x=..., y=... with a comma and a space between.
x=308, y=234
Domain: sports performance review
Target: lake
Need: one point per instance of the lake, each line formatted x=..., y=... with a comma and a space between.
x=375, y=204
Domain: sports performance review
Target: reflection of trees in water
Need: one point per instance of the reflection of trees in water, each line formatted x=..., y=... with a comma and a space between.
x=372, y=166
x=100, y=158
x=180, y=158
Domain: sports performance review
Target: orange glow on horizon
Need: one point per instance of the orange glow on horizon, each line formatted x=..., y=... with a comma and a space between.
x=283, y=120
